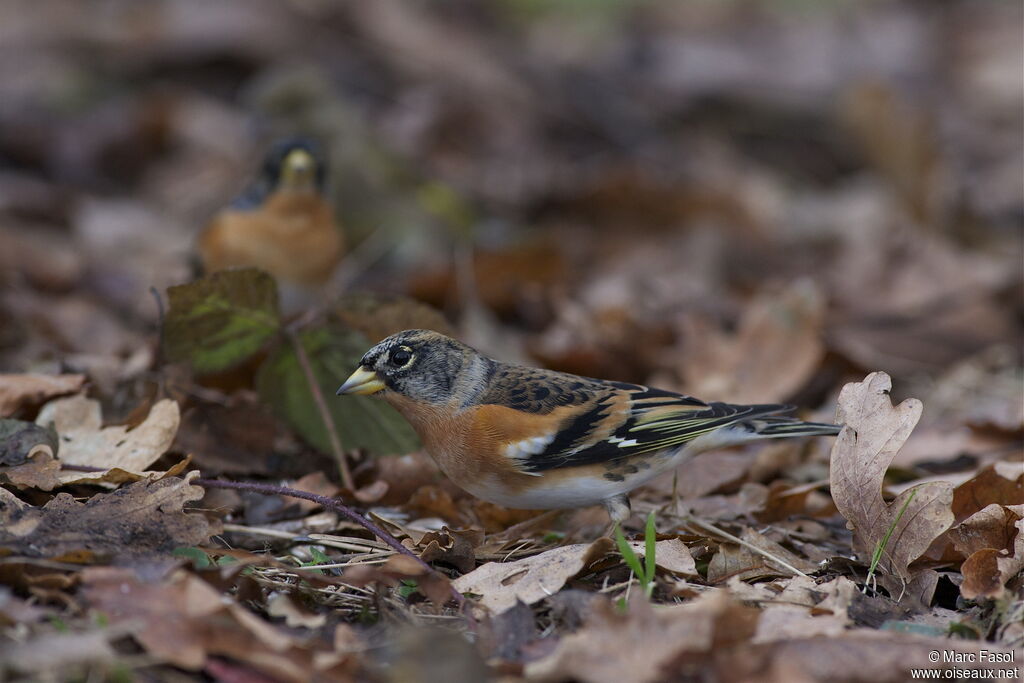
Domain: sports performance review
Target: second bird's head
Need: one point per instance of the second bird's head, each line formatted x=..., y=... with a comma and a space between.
x=420, y=365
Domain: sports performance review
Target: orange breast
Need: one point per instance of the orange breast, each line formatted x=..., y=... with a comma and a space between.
x=293, y=236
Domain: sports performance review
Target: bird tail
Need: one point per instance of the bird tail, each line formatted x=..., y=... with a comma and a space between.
x=776, y=427
x=757, y=422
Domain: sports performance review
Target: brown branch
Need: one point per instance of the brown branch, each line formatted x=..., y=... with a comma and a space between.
x=324, y=501
x=325, y=413
x=336, y=506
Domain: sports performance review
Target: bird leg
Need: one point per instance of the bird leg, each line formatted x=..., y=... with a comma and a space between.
x=618, y=509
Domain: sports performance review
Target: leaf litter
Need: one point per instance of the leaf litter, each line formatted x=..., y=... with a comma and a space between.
x=815, y=230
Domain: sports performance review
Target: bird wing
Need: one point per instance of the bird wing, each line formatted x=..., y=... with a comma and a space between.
x=566, y=421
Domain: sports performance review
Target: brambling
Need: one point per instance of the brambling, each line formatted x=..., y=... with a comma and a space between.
x=282, y=223
x=529, y=438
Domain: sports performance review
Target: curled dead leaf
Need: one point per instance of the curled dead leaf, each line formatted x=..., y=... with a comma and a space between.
x=85, y=442
x=456, y=547
x=987, y=571
x=873, y=432
x=17, y=391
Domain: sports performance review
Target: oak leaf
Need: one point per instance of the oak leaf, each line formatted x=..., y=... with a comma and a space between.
x=873, y=432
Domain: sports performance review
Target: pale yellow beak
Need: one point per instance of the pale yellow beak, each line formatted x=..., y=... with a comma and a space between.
x=362, y=382
x=298, y=170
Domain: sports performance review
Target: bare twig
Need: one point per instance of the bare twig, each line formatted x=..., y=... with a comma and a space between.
x=336, y=506
x=321, y=405
x=328, y=503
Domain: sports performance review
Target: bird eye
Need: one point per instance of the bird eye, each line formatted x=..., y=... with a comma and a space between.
x=400, y=357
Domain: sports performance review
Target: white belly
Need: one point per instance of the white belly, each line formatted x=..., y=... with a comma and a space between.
x=551, y=492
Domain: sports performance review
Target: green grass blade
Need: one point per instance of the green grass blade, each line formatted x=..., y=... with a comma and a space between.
x=630, y=558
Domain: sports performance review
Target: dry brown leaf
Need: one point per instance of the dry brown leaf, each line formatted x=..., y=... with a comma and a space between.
x=774, y=352
x=295, y=616
x=456, y=547
x=645, y=644
x=315, y=483
x=856, y=656
x=872, y=434
x=84, y=441
x=992, y=527
x=987, y=571
x=21, y=390
x=501, y=584
x=805, y=609
x=42, y=471
x=183, y=620
x=1001, y=483
x=434, y=585
x=378, y=316
x=141, y=519
x=672, y=555
x=740, y=561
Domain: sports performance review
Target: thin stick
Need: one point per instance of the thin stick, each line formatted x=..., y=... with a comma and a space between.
x=324, y=501
x=749, y=546
x=325, y=413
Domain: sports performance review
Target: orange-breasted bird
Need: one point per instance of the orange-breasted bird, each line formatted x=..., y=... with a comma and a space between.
x=529, y=438
x=282, y=223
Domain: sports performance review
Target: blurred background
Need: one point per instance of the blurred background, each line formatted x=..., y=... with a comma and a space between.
x=744, y=200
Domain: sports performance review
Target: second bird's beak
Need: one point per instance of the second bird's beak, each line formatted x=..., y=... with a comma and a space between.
x=362, y=382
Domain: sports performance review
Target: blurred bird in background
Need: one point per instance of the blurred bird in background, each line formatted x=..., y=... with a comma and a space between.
x=282, y=223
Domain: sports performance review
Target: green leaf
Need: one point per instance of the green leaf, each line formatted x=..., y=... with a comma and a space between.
x=361, y=421
x=318, y=557
x=221, y=320
x=18, y=439
x=198, y=557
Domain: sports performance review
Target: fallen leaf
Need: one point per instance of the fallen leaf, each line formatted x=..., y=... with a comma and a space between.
x=805, y=609
x=432, y=584
x=221, y=320
x=377, y=316
x=855, y=656
x=85, y=442
x=992, y=527
x=501, y=584
x=777, y=346
x=281, y=605
x=17, y=391
x=872, y=434
x=141, y=519
x=362, y=421
x=183, y=620
x=315, y=483
x=431, y=653
x=1001, y=483
x=41, y=472
x=646, y=644
x=740, y=561
x=455, y=547
x=987, y=571
x=672, y=555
